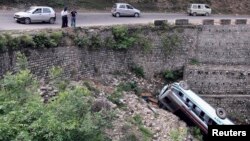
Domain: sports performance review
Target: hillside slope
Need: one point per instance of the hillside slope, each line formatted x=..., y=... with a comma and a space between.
x=219, y=6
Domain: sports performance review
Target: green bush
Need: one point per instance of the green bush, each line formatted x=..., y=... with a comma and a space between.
x=24, y=117
x=194, y=61
x=173, y=75
x=170, y=43
x=144, y=42
x=42, y=40
x=13, y=43
x=82, y=41
x=56, y=37
x=137, y=70
x=26, y=41
x=178, y=134
x=130, y=86
x=122, y=38
x=3, y=43
x=95, y=42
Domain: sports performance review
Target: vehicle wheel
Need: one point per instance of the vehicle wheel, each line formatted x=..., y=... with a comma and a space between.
x=184, y=85
x=52, y=20
x=27, y=21
x=117, y=14
x=221, y=113
x=137, y=15
x=207, y=14
x=194, y=14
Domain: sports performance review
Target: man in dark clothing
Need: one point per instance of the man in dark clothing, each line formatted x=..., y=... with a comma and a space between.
x=73, y=18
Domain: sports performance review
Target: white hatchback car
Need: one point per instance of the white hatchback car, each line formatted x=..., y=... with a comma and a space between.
x=124, y=9
x=178, y=97
x=36, y=14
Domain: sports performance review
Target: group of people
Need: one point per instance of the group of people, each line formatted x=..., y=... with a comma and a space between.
x=65, y=14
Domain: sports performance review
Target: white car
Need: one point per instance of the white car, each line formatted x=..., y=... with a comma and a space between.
x=199, y=9
x=124, y=9
x=178, y=96
x=36, y=14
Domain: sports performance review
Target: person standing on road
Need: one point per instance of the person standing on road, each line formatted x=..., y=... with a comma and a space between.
x=73, y=18
x=64, y=15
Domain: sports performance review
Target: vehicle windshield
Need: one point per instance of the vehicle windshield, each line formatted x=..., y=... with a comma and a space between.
x=29, y=10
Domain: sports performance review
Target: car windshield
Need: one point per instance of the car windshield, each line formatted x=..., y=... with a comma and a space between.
x=30, y=9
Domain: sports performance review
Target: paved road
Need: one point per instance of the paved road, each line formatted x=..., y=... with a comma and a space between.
x=89, y=19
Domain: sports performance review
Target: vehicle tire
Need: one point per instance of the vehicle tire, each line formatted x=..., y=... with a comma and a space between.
x=207, y=14
x=52, y=20
x=27, y=21
x=221, y=113
x=137, y=15
x=194, y=14
x=117, y=14
x=184, y=85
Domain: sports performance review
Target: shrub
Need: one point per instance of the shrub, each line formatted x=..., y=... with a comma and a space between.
x=194, y=61
x=137, y=70
x=115, y=98
x=24, y=117
x=173, y=75
x=26, y=41
x=130, y=86
x=144, y=43
x=170, y=43
x=56, y=38
x=95, y=42
x=42, y=40
x=81, y=41
x=13, y=43
x=178, y=134
x=21, y=62
x=196, y=132
x=122, y=38
x=3, y=43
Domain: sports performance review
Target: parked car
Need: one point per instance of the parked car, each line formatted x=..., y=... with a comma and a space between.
x=178, y=96
x=199, y=9
x=124, y=9
x=36, y=14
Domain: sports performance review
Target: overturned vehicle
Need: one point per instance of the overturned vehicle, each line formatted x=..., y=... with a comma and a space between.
x=178, y=97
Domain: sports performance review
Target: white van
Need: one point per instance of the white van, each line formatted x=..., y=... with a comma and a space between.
x=199, y=9
x=178, y=97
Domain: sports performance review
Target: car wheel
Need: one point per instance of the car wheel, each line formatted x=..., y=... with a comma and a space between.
x=207, y=14
x=27, y=21
x=137, y=15
x=194, y=14
x=52, y=20
x=221, y=113
x=117, y=14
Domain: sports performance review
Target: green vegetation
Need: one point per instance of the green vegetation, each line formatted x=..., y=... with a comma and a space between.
x=170, y=43
x=23, y=116
x=93, y=42
x=194, y=61
x=147, y=134
x=178, y=134
x=173, y=75
x=130, y=86
x=41, y=40
x=196, y=132
x=122, y=38
x=137, y=70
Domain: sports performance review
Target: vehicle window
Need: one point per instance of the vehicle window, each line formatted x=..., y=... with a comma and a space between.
x=129, y=7
x=180, y=94
x=199, y=7
x=207, y=6
x=167, y=100
x=211, y=122
x=37, y=11
x=122, y=6
x=46, y=10
x=195, y=7
x=29, y=10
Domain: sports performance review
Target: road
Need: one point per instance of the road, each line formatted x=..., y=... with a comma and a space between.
x=96, y=19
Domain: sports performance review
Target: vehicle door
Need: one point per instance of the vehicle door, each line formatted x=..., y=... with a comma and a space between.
x=194, y=8
x=207, y=9
x=122, y=9
x=130, y=10
x=200, y=9
x=36, y=15
x=47, y=14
